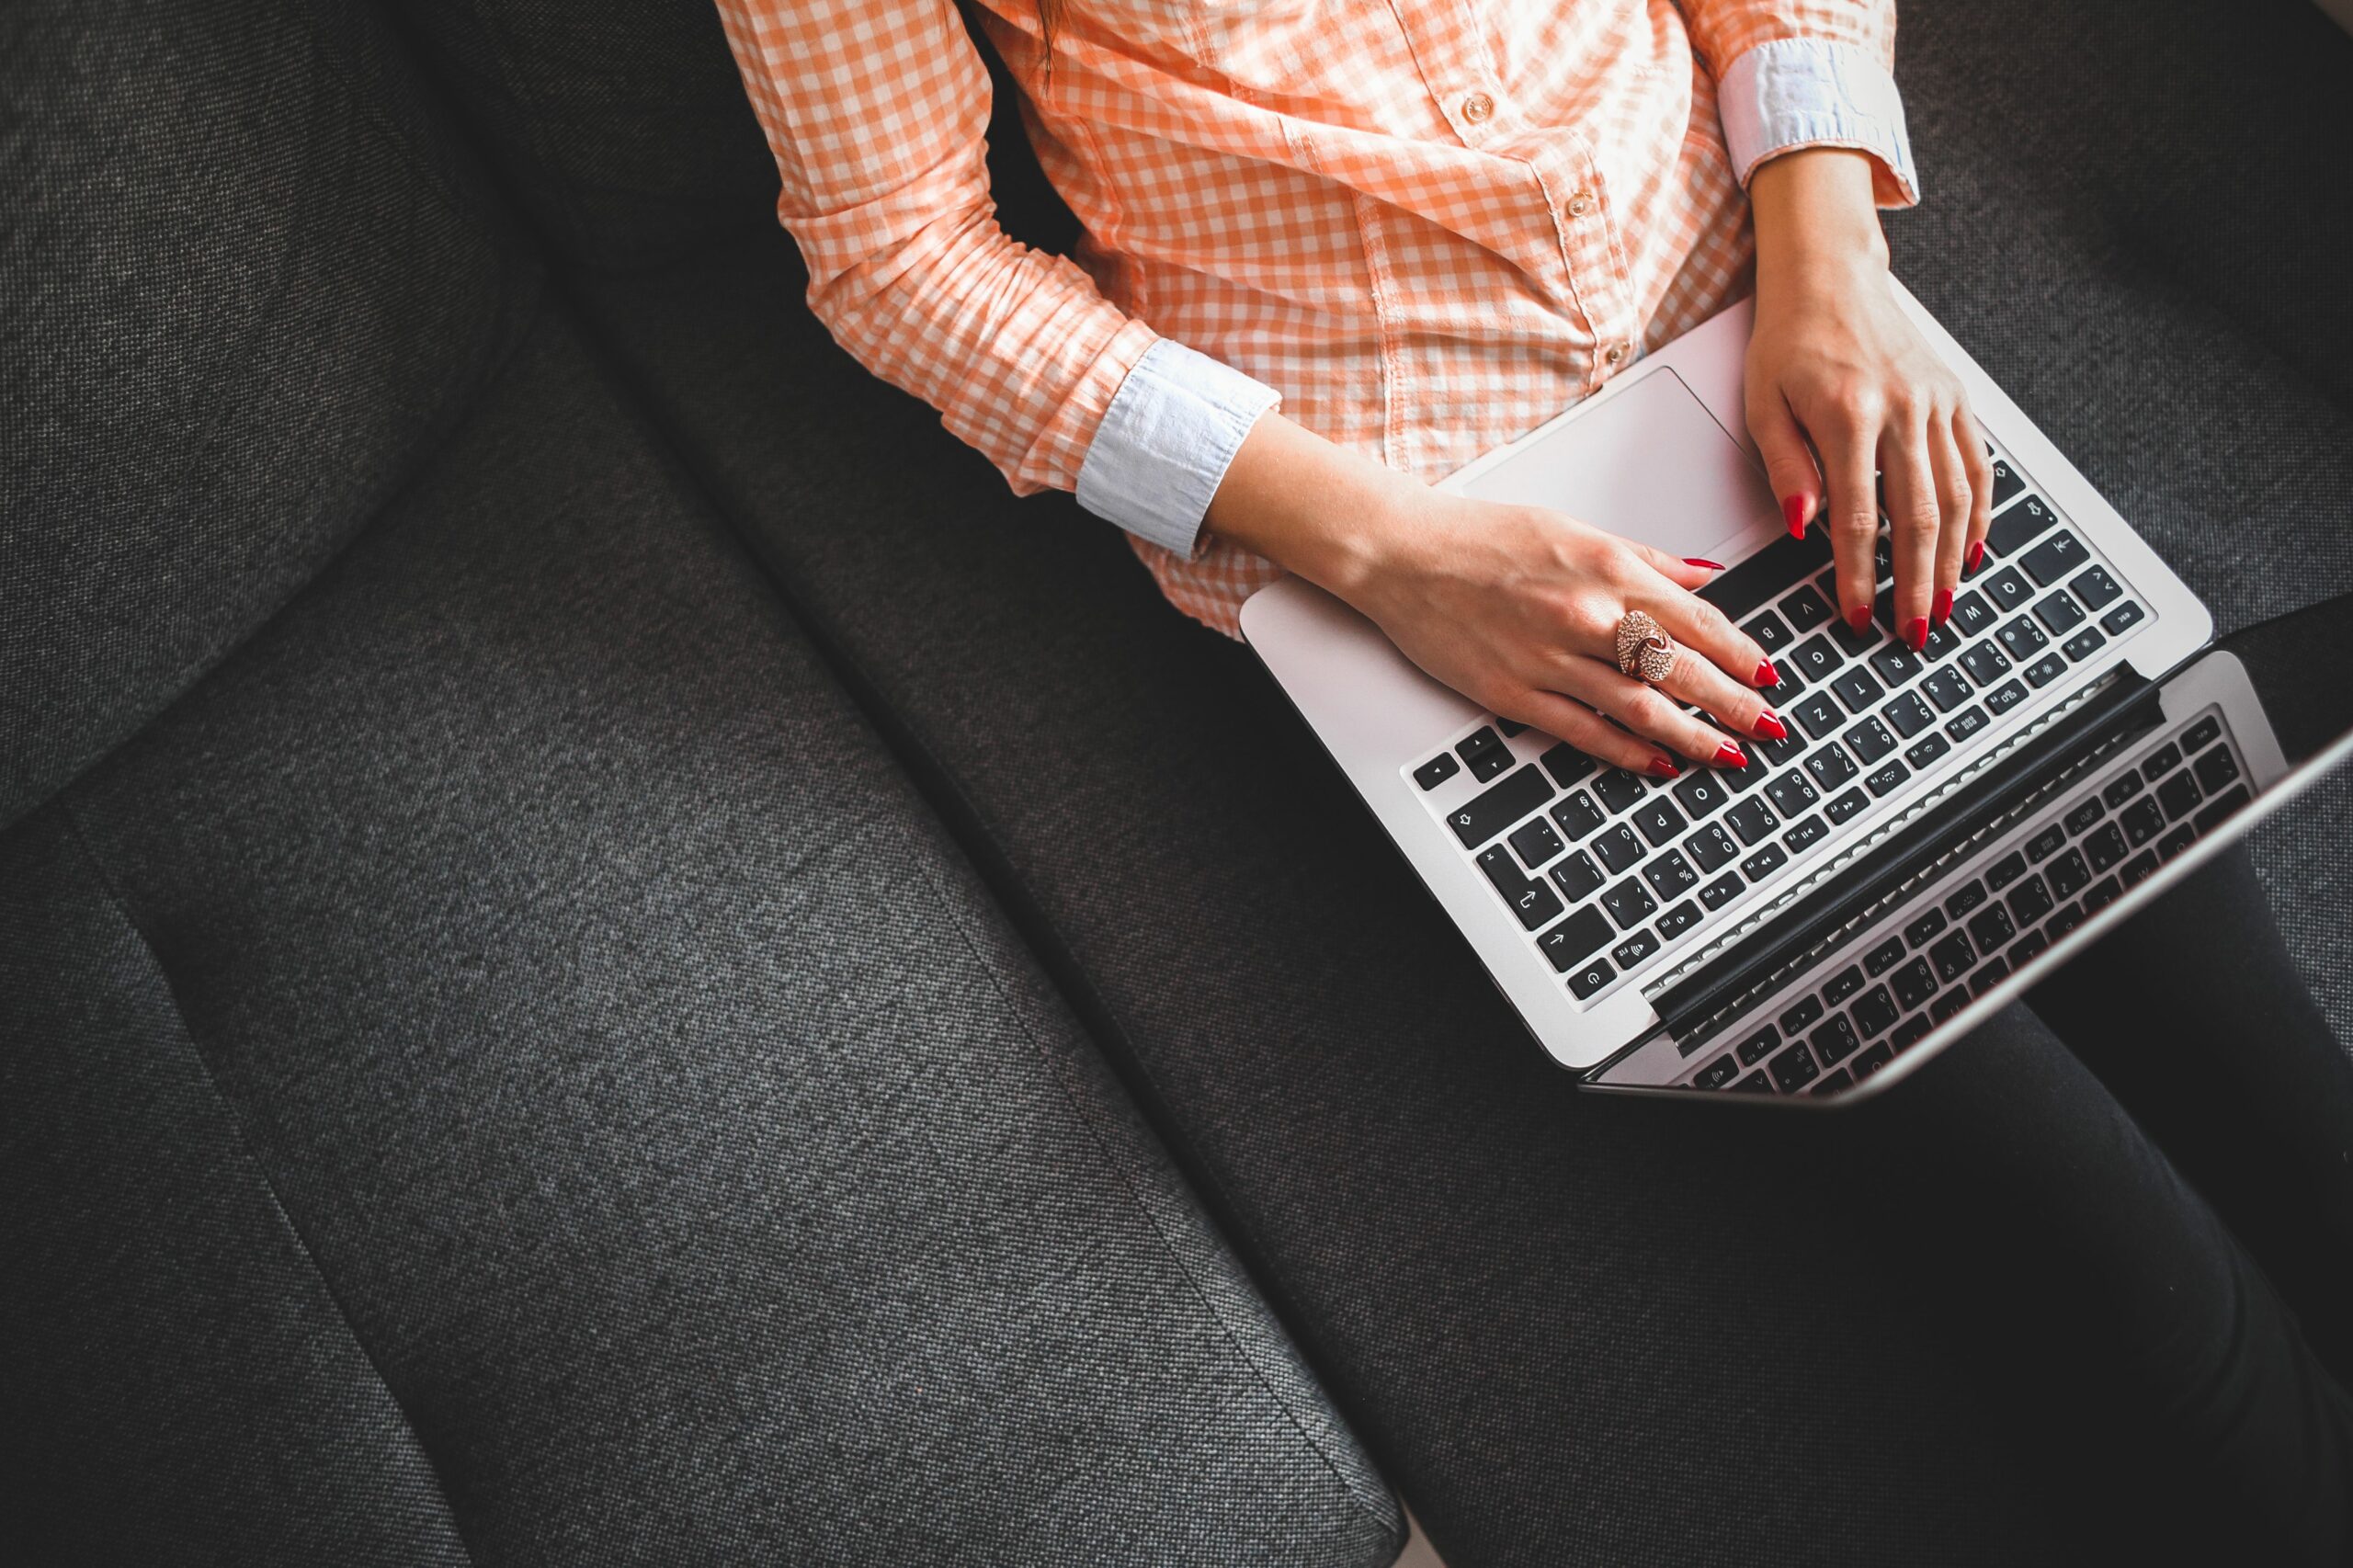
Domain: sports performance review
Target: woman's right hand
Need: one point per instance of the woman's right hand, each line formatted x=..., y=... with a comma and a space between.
x=1516, y=608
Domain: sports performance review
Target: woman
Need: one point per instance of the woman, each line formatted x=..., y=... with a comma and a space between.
x=1334, y=252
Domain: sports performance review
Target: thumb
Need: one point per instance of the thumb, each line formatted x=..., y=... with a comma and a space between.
x=1789, y=461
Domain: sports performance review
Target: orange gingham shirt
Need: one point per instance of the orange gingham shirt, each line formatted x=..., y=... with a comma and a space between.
x=1424, y=226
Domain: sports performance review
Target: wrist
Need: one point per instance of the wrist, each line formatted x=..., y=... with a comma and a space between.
x=1817, y=224
x=1314, y=508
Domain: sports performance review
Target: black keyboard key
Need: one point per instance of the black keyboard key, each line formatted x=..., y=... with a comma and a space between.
x=1629, y=904
x=2142, y=820
x=2004, y=698
x=1765, y=862
x=1500, y=805
x=1885, y=957
x=2083, y=816
x=2020, y=523
x=1573, y=941
x=1919, y=933
x=1835, y=1040
x=2178, y=795
x=2105, y=848
x=2095, y=587
x=1854, y=643
x=2045, y=670
x=1511, y=727
x=1794, y=1069
x=2220, y=806
x=1702, y=792
x=1807, y=610
x=2201, y=734
x=1813, y=660
x=2007, y=484
x=1753, y=819
x=1775, y=754
x=1818, y=715
x=1895, y=663
x=1670, y=874
x=1566, y=764
x=1954, y=955
x=1872, y=1061
x=1967, y=899
x=1831, y=766
x=1991, y=928
x=1634, y=949
x=1484, y=752
x=1972, y=617
x=1941, y=644
x=1754, y=1084
x=1926, y=750
x=1949, y=1004
x=1535, y=842
x=1437, y=770
x=1845, y=806
x=1535, y=903
x=1858, y=690
x=2054, y=557
x=1947, y=690
x=1909, y=714
x=2120, y=789
x=1874, y=1011
x=2216, y=769
x=2083, y=644
x=1985, y=979
x=1716, y=1073
x=2136, y=870
x=1577, y=877
x=1790, y=794
x=1711, y=848
x=2160, y=762
x=2046, y=843
x=1843, y=985
x=2006, y=871
x=2006, y=589
x=1869, y=741
x=1618, y=848
x=2027, y=948
x=2069, y=875
x=2176, y=840
x=1807, y=832
x=2100, y=894
x=1985, y=664
x=1619, y=789
x=1658, y=821
x=1759, y=1045
x=1591, y=978
x=1721, y=891
x=1915, y=983
x=1755, y=581
x=1678, y=920
x=1802, y=1017
x=2059, y=612
x=2022, y=639
x=1911, y=1031
x=1577, y=815
x=2122, y=619
x=1770, y=632
x=1888, y=777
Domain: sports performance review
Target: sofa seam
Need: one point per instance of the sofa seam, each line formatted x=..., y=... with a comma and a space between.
x=268, y=1185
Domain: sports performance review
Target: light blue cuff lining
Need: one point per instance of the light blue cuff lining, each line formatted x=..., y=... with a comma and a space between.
x=1797, y=92
x=1166, y=442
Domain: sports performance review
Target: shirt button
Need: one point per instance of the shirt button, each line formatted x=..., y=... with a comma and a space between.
x=1580, y=204
x=1477, y=107
x=1616, y=355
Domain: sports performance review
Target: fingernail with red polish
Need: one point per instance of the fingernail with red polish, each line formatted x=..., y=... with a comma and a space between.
x=1662, y=769
x=1793, y=513
x=1859, y=619
x=1916, y=633
x=1769, y=725
x=1944, y=606
x=1766, y=674
x=1709, y=566
x=1730, y=756
x=1976, y=554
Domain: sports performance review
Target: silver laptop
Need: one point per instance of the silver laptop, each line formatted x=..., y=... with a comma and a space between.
x=1939, y=829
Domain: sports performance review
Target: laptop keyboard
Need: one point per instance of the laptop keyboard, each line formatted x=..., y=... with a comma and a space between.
x=1613, y=875
x=1993, y=910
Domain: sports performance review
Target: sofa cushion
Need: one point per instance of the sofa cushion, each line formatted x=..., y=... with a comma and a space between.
x=655, y=1101
x=246, y=286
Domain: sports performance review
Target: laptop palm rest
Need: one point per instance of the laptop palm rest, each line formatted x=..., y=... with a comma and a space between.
x=1648, y=462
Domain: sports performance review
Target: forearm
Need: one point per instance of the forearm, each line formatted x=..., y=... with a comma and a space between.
x=1817, y=226
x=1309, y=505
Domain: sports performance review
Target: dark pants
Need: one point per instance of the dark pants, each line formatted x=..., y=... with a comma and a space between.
x=2141, y=1187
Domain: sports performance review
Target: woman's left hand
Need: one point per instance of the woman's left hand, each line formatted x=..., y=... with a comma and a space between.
x=1836, y=362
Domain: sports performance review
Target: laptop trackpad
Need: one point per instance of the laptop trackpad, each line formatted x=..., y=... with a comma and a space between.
x=1651, y=463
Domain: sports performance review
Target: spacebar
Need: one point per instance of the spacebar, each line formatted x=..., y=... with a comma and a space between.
x=1777, y=566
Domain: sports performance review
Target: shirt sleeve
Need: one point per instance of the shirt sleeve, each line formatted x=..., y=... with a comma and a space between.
x=1794, y=74
x=877, y=112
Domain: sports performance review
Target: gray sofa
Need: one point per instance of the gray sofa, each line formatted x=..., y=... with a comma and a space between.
x=609, y=954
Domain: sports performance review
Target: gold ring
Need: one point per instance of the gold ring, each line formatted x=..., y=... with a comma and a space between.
x=1644, y=650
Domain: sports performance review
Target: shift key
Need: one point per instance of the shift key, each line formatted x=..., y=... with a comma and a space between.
x=1500, y=806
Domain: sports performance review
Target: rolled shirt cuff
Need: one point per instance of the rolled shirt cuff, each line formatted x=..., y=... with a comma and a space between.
x=1166, y=442
x=1797, y=92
